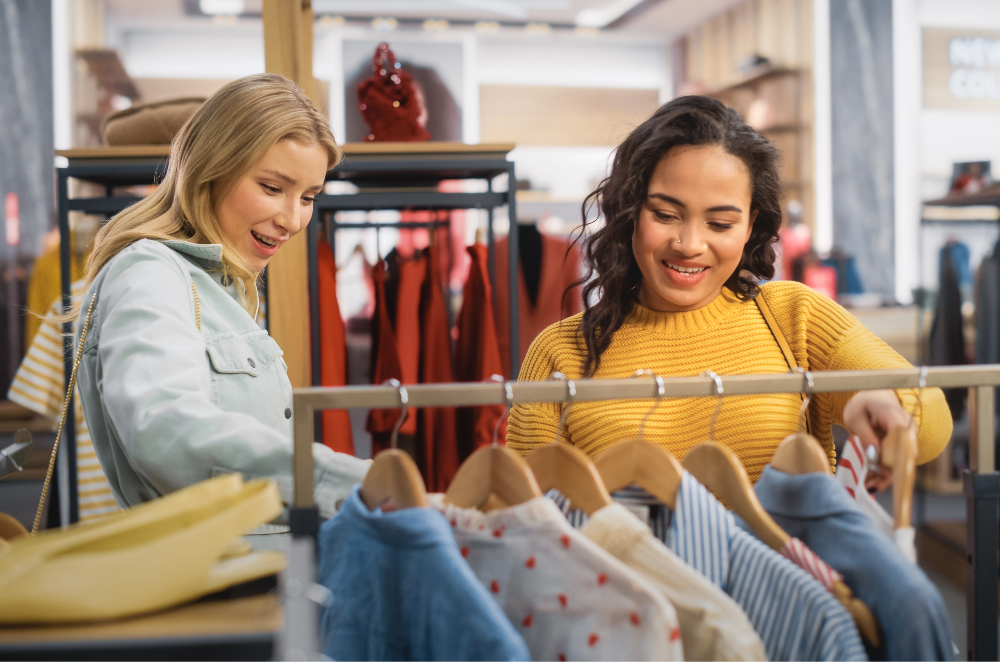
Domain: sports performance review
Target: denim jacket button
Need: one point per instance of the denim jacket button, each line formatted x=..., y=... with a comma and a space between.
x=252, y=364
x=288, y=412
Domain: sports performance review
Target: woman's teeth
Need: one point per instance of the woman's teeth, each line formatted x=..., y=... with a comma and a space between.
x=262, y=239
x=685, y=270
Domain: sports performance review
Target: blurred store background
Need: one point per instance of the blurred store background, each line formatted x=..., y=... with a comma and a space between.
x=886, y=112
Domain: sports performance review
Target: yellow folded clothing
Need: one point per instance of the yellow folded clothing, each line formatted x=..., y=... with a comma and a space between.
x=157, y=555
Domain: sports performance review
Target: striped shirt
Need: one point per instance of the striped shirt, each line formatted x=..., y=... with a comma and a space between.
x=40, y=385
x=792, y=613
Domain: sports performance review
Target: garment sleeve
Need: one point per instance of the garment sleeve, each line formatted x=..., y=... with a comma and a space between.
x=157, y=393
x=534, y=424
x=833, y=339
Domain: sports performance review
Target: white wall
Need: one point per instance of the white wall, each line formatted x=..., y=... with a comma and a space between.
x=928, y=141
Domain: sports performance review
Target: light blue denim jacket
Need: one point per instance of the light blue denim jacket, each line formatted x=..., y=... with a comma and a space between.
x=168, y=405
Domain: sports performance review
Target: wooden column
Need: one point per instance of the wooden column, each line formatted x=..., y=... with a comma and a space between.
x=288, y=50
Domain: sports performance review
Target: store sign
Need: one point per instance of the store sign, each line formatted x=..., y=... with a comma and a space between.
x=961, y=69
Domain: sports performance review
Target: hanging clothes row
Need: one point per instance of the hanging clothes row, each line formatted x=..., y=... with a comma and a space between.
x=532, y=558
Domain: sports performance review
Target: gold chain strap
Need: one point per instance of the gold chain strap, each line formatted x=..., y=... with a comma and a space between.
x=62, y=421
x=69, y=391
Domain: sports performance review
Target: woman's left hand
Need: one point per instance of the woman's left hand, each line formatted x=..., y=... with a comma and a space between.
x=870, y=415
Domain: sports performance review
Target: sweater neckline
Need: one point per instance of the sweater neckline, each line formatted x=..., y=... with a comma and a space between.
x=689, y=321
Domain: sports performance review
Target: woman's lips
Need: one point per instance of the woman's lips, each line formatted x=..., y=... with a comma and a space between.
x=263, y=248
x=681, y=279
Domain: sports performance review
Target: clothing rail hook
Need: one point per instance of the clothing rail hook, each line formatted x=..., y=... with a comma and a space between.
x=660, y=390
x=404, y=401
x=10, y=458
x=570, y=397
x=718, y=404
x=808, y=390
x=920, y=394
x=508, y=402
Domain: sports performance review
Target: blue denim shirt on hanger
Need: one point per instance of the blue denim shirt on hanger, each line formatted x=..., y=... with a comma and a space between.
x=815, y=508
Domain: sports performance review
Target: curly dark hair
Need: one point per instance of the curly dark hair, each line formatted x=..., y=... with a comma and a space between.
x=688, y=120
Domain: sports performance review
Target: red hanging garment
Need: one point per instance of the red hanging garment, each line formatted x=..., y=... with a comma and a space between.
x=477, y=355
x=559, y=270
x=411, y=282
x=332, y=350
x=436, y=432
x=385, y=358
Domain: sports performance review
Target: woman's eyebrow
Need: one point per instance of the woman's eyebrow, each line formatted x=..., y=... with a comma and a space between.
x=674, y=201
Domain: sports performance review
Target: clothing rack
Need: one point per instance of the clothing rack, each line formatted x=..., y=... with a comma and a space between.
x=981, y=483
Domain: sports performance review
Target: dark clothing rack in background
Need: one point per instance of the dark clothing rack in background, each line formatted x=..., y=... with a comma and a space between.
x=390, y=176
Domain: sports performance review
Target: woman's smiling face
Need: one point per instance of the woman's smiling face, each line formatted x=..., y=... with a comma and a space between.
x=692, y=228
x=273, y=201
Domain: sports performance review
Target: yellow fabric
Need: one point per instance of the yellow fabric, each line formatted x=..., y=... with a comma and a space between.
x=730, y=337
x=45, y=287
x=156, y=555
x=40, y=385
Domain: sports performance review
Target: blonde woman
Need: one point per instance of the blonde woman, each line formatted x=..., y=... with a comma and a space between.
x=177, y=381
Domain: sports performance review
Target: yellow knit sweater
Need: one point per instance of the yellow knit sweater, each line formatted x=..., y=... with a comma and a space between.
x=730, y=337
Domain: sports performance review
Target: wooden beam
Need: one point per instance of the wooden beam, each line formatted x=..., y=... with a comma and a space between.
x=288, y=47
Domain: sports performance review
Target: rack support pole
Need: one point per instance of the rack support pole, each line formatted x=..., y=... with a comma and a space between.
x=67, y=449
x=303, y=518
x=512, y=273
x=982, y=493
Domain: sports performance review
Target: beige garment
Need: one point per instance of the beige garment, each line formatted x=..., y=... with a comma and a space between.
x=713, y=627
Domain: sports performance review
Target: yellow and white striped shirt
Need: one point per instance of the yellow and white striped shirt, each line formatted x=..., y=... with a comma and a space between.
x=40, y=385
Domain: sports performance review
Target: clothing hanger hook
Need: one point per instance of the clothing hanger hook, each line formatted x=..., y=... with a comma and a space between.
x=404, y=401
x=808, y=390
x=920, y=393
x=570, y=397
x=660, y=390
x=718, y=405
x=508, y=402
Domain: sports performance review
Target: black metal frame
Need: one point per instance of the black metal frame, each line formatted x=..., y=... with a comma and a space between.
x=417, y=172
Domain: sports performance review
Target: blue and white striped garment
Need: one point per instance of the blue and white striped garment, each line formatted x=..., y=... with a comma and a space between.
x=792, y=613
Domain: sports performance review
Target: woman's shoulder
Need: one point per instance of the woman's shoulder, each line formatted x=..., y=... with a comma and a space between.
x=149, y=251
x=557, y=347
x=795, y=304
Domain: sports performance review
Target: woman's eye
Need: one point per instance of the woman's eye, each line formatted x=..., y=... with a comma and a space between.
x=308, y=199
x=720, y=226
x=271, y=189
x=665, y=216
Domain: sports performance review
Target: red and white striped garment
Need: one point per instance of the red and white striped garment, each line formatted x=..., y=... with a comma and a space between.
x=796, y=551
x=852, y=468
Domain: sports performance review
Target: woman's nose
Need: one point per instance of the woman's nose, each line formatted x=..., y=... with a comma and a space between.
x=688, y=240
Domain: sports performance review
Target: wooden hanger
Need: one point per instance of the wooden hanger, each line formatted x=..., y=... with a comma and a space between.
x=393, y=482
x=564, y=467
x=801, y=453
x=899, y=451
x=493, y=471
x=643, y=463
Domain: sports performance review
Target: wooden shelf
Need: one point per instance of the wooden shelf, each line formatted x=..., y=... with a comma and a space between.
x=349, y=149
x=754, y=77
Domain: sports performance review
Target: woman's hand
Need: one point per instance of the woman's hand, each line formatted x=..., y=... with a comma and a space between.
x=870, y=415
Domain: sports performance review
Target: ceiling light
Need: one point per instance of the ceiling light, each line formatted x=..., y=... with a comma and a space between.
x=538, y=28
x=487, y=26
x=600, y=17
x=332, y=21
x=586, y=31
x=432, y=25
x=385, y=24
x=221, y=7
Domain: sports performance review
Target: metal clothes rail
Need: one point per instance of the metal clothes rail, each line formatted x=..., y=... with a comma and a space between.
x=981, y=483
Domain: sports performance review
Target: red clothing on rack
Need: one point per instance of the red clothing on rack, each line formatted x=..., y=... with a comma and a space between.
x=332, y=350
x=477, y=355
x=558, y=271
x=411, y=282
x=436, y=440
x=386, y=361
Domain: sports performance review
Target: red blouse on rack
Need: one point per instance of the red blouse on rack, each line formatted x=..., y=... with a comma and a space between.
x=477, y=355
x=386, y=359
x=436, y=431
x=332, y=350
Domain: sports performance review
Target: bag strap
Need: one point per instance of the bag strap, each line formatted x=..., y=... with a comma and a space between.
x=69, y=392
x=779, y=337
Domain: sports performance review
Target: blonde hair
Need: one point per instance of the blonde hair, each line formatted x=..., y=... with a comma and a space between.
x=214, y=149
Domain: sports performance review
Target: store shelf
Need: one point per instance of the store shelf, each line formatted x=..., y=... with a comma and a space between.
x=754, y=77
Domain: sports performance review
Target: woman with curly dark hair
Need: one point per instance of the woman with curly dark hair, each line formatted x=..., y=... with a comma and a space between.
x=691, y=212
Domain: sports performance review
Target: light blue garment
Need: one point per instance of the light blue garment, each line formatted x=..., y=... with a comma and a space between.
x=791, y=612
x=169, y=405
x=816, y=508
x=402, y=591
